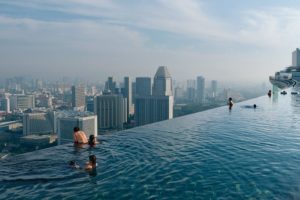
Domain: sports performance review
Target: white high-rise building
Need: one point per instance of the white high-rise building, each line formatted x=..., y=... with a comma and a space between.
x=111, y=110
x=22, y=102
x=78, y=97
x=38, y=123
x=296, y=58
x=200, y=89
x=162, y=85
x=159, y=105
x=65, y=121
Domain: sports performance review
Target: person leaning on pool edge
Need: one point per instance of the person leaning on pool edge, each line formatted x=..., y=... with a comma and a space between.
x=79, y=136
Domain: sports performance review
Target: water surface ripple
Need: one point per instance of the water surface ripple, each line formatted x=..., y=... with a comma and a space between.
x=215, y=154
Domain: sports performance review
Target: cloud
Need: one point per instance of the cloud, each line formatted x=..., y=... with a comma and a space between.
x=114, y=37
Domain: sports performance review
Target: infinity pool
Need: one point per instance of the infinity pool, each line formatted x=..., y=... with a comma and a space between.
x=216, y=154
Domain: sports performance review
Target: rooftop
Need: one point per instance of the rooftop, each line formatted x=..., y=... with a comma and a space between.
x=162, y=72
x=245, y=153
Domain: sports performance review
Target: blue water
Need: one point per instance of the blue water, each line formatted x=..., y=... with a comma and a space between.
x=215, y=154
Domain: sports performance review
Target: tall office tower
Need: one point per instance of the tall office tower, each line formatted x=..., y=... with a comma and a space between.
x=78, y=97
x=143, y=86
x=150, y=109
x=296, y=58
x=5, y=104
x=179, y=93
x=90, y=103
x=22, y=102
x=111, y=110
x=159, y=106
x=191, y=90
x=214, y=88
x=162, y=84
x=66, y=121
x=111, y=85
x=38, y=123
x=38, y=84
x=200, y=89
x=127, y=93
x=133, y=88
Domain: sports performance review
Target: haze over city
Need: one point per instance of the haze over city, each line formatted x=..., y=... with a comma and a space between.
x=228, y=41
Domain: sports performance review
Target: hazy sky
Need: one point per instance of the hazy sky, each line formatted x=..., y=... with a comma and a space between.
x=92, y=39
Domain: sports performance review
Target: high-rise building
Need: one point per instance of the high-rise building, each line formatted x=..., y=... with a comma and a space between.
x=143, y=86
x=127, y=93
x=179, y=93
x=162, y=84
x=133, y=88
x=111, y=110
x=38, y=123
x=296, y=58
x=191, y=90
x=78, y=97
x=159, y=105
x=214, y=88
x=22, y=102
x=200, y=89
x=90, y=103
x=5, y=104
x=150, y=109
x=65, y=122
x=111, y=85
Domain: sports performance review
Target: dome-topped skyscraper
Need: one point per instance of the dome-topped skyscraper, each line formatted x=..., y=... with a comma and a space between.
x=162, y=85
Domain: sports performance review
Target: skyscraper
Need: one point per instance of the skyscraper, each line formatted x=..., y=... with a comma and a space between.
x=150, y=109
x=200, y=89
x=5, y=104
x=127, y=93
x=78, y=97
x=143, y=86
x=111, y=110
x=191, y=90
x=159, y=105
x=214, y=88
x=111, y=85
x=162, y=85
x=296, y=58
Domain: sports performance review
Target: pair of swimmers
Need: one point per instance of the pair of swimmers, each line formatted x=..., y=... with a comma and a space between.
x=80, y=137
x=90, y=165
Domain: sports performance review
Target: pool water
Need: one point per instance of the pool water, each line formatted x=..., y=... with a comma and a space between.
x=245, y=153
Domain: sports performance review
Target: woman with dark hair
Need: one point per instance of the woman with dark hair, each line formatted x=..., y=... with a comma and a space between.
x=92, y=163
x=92, y=140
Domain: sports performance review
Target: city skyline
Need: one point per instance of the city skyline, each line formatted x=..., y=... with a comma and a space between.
x=105, y=38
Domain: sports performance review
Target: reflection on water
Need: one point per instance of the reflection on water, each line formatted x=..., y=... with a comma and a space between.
x=215, y=154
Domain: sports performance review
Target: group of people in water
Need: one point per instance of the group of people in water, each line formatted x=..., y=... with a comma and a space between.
x=230, y=102
x=80, y=138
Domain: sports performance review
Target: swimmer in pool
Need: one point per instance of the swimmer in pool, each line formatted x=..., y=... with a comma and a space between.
x=92, y=140
x=74, y=165
x=79, y=136
x=230, y=103
x=92, y=163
